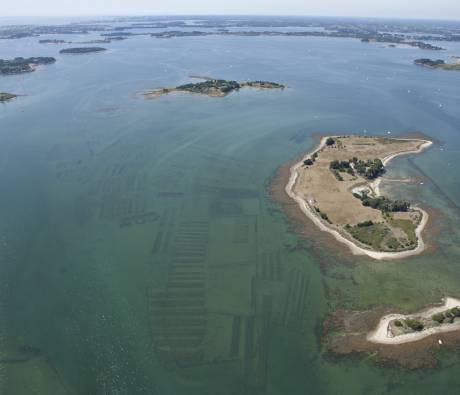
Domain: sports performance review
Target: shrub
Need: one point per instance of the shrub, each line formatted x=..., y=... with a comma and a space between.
x=455, y=311
x=339, y=165
x=393, y=243
x=384, y=204
x=337, y=175
x=330, y=141
x=414, y=324
x=398, y=323
x=324, y=216
x=365, y=223
x=448, y=314
x=439, y=318
x=308, y=162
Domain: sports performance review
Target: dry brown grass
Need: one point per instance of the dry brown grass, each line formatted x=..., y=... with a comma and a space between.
x=318, y=186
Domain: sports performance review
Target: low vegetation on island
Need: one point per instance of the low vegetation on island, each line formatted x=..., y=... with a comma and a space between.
x=4, y=97
x=411, y=340
x=23, y=65
x=339, y=184
x=82, y=50
x=437, y=319
x=438, y=64
x=52, y=41
x=214, y=87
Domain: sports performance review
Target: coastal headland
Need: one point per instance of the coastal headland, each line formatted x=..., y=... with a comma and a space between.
x=337, y=187
x=213, y=87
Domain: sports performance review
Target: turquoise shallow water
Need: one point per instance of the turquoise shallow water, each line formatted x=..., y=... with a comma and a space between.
x=139, y=251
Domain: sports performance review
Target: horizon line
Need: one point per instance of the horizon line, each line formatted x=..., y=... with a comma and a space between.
x=444, y=19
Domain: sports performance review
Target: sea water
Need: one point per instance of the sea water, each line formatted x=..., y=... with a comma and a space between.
x=140, y=252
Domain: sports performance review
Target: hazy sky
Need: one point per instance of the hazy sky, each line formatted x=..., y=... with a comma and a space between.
x=444, y=9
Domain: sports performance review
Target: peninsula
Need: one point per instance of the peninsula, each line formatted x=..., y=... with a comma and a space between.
x=438, y=64
x=214, y=87
x=4, y=97
x=22, y=65
x=337, y=187
x=82, y=50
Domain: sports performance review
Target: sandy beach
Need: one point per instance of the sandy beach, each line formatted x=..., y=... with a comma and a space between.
x=355, y=249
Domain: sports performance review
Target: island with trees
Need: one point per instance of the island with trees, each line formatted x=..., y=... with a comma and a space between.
x=388, y=335
x=438, y=64
x=337, y=186
x=52, y=41
x=405, y=328
x=82, y=50
x=4, y=97
x=214, y=87
x=23, y=65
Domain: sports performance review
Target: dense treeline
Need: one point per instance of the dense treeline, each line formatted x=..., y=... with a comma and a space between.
x=384, y=204
x=338, y=166
x=370, y=169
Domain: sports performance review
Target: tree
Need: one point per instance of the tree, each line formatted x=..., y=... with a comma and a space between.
x=330, y=141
